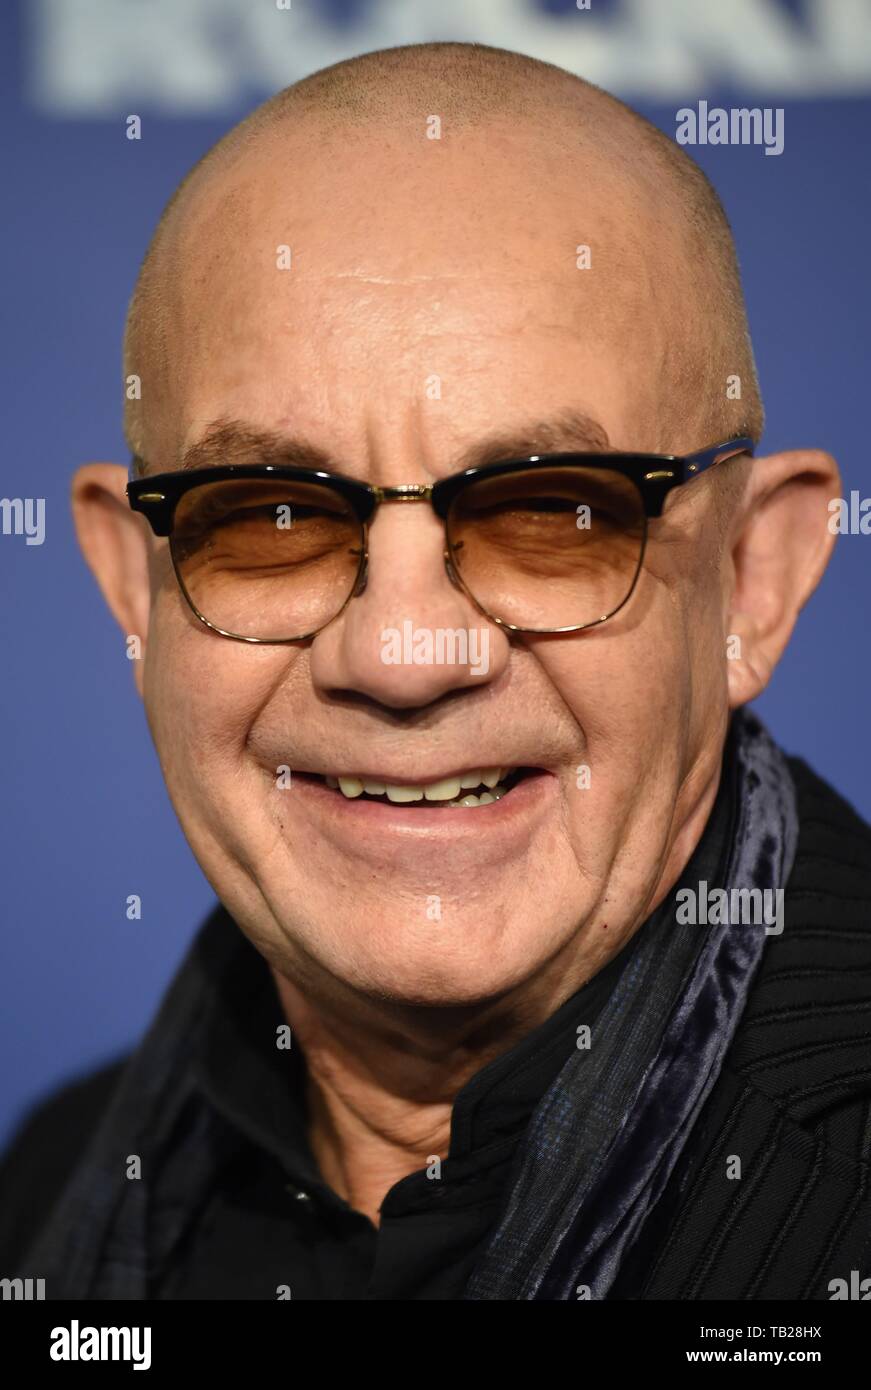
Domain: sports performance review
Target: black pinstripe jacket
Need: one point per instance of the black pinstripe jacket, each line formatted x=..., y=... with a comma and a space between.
x=792, y=1102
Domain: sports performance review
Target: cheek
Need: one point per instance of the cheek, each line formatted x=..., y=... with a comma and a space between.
x=626, y=683
x=202, y=694
x=629, y=687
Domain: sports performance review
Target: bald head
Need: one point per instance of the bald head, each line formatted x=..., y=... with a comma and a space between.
x=520, y=141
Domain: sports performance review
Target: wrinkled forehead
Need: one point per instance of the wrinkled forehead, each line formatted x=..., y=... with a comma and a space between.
x=335, y=281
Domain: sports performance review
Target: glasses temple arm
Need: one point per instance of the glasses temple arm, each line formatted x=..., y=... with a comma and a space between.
x=696, y=464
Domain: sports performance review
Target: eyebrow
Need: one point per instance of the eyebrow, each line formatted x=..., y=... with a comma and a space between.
x=234, y=442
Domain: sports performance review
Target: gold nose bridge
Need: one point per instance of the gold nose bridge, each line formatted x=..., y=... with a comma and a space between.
x=405, y=492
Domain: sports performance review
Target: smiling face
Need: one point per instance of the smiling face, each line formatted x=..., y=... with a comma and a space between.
x=427, y=315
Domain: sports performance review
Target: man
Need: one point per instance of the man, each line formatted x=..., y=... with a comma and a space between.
x=470, y=777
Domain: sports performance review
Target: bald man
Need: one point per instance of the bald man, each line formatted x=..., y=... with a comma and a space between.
x=454, y=561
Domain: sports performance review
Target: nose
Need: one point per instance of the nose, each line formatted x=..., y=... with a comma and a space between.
x=411, y=635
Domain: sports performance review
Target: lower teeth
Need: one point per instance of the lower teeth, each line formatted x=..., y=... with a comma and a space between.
x=467, y=799
x=492, y=794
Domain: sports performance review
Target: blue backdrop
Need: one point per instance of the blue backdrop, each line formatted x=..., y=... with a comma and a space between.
x=86, y=820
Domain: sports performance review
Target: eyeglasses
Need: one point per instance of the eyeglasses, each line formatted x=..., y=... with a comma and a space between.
x=545, y=544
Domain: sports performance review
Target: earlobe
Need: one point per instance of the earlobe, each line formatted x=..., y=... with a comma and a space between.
x=746, y=674
x=780, y=545
x=115, y=543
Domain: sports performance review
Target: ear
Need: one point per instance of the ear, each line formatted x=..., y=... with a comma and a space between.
x=117, y=546
x=780, y=544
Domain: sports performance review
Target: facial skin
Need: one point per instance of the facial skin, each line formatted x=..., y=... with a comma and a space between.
x=455, y=258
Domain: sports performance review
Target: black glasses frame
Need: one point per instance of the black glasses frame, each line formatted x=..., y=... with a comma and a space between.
x=654, y=476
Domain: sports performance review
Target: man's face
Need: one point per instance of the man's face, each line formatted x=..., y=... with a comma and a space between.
x=417, y=262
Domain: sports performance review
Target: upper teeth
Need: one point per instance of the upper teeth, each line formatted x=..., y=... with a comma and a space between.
x=448, y=789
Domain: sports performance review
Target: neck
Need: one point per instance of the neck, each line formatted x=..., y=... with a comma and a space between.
x=382, y=1080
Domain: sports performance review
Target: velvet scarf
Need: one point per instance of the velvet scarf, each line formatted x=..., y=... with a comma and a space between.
x=605, y=1138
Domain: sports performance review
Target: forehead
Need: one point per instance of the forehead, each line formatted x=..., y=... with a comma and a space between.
x=347, y=284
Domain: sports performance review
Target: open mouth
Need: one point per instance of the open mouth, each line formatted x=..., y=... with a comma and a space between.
x=477, y=787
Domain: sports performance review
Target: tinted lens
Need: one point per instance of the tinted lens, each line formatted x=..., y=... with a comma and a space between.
x=265, y=558
x=548, y=548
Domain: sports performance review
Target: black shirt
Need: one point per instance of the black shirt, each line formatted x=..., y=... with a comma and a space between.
x=271, y=1227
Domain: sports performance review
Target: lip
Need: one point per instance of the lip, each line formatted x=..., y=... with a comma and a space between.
x=374, y=829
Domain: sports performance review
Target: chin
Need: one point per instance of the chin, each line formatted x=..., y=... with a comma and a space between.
x=436, y=990
x=434, y=964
